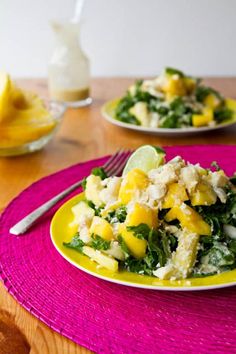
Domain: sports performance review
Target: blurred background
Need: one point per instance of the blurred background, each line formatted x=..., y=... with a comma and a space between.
x=124, y=37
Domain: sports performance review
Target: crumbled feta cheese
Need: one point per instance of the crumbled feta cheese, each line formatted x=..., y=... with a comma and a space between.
x=154, y=121
x=221, y=194
x=109, y=195
x=164, y=174
x=157, y=191
x=115, y=228
x=84, y=234
x=218, y=179
x=189, y=177
x=185, y=209
x=164, y=272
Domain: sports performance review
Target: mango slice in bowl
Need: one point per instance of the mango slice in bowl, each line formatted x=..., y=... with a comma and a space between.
x=27, y=123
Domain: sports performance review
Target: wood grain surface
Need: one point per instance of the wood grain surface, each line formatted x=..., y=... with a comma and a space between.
x=83, y=135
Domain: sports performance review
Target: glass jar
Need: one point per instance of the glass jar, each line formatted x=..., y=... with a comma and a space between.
x=69, y=68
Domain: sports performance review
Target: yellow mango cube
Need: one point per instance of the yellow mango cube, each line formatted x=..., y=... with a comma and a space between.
x=211, y=101
x=136, y=246
x=230, y=103
x=203, y=195
x=142, y=214
x=190, y=84
x=175, y=86
x=175, y=195
x=203, y=119
x=189, y=219
x=134, y=182
x=102, y=228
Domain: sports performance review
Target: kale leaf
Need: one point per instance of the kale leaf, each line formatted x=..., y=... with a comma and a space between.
x=118, y=215
x=98, y=243
x=223, y=113
x=140, y=231
x=76, y=243
x=99, y=171
x=172, y=71
x=203, y=91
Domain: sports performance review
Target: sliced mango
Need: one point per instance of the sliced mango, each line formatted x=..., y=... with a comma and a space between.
x=5, y=97
x=134, y=182
x=136, y=246
x=203, y=195
x=189, y=219
x=190, y=84
x=230, y=103
x=102, y=228
x=175, y=195
x=142, y=214
x=175, y=86
x=203, y=119
x=212, y=101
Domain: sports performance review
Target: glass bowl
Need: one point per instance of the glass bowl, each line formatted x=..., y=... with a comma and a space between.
x=26, y=137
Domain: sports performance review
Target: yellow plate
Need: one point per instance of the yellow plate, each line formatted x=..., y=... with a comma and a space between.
x=62, y=232
x=108, y=112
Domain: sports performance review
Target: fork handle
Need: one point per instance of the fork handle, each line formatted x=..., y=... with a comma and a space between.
x=24, y=224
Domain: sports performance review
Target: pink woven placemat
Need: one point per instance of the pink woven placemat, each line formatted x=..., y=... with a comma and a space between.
x=105, y=317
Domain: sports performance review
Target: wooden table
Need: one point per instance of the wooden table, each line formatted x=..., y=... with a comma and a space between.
x=83, y=135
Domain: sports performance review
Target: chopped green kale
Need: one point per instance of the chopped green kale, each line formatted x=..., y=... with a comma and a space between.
x=99, y=171
x=172, y=71
x=118, y=215
x=98, y=243
x=203, y=91
x=76, y=243
x=140, y=231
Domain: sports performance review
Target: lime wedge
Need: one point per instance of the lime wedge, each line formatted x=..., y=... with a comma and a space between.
x=146, y=158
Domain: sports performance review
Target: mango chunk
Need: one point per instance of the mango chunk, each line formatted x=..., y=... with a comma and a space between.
x=190, y=84
x=175, y=195
x=203, y=119
x=102, y=228
x=203, y=195
x=230, y=103
x=133, y=183
x=136, y=246
x=175, y=86
x=142, y=214
x=189, y=219
x=5, y=97
x=212, y=101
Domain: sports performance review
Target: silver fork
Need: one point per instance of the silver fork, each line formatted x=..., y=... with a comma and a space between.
x=113, y=166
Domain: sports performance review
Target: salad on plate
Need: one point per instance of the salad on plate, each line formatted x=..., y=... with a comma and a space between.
x=174, y=100
x=169, y=220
